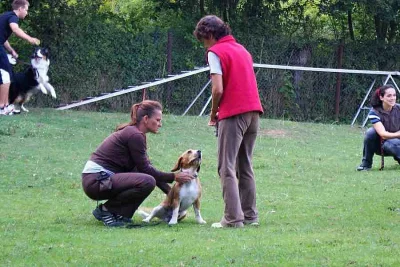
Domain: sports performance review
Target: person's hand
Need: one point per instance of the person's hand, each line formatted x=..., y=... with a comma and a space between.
x=182, y=177
x=212, y=123
x=213, y=119
x=34, y=41
x=14, y=54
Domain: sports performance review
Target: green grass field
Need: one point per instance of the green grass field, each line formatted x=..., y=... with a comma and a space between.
x=315, y=209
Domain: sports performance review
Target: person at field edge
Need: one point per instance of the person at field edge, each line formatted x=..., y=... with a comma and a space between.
x=8, y=25
x=385, y=119
x=236, y=107
x=120, y=172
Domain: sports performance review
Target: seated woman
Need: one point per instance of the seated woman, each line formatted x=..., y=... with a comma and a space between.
x=120, y=172
x=385, y=119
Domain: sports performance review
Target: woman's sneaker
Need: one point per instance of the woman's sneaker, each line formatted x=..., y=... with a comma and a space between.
x=363, y=168
x=251, y=223
x=123, y=219
x=97, y=212
x=109, y=220
x=106, y=217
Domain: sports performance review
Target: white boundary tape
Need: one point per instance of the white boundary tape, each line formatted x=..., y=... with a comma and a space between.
x=283, y=67
x=203, y=69
x=133, y=88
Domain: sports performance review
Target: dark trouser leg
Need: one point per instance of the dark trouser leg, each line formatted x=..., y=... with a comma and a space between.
x=371, y=146
x=236, y=139
x=229, y=139
x=247, y=184
x=128, y=191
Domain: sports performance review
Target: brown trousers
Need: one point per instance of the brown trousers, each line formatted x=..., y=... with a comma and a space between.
x=236, y=141
x=128, y=191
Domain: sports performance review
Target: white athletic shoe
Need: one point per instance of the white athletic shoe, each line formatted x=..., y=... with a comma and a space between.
x=8, y=110
x=10, y=107
x=217, y=225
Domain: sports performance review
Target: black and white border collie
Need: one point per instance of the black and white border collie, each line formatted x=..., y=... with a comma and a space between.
x=32, y=80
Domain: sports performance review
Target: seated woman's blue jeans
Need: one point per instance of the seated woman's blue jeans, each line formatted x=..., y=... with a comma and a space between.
x=391, y=147
x=372, y=145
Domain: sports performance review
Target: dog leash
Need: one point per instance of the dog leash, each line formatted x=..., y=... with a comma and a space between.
x=136, y=225
x=22, y=62
x=382, y=155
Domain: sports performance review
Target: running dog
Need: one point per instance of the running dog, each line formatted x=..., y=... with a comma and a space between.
x=32, y=80
x=181, y=196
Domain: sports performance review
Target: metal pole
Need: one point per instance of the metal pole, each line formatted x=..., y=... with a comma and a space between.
x=195, y=99
x=362, y=104
x=395, y=84
x=205, y=106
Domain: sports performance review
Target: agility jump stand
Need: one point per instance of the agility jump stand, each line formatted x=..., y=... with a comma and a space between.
x=363, y=107
x=195, y=99
x=133, y=89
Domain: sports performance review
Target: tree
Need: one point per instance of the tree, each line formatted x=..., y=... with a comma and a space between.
x=341, y=13
x=385, y=14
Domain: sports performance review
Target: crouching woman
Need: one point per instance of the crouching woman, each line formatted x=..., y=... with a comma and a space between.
x=384, y=136
x=120, y=172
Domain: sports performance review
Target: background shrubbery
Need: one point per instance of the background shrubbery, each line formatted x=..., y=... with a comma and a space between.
x=99, y=46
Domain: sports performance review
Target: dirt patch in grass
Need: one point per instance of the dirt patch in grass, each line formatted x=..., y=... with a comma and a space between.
x=273, y=133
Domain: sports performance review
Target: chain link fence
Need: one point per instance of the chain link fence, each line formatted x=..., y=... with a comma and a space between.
x=92, y=58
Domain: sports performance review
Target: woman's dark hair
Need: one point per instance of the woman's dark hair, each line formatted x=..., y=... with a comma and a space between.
x=211, y=26
x=138, y=111
x=380, y=92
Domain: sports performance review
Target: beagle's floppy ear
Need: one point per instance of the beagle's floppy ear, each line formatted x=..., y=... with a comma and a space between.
x=177, y=165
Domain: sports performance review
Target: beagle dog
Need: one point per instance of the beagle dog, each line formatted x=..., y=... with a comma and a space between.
x=181, y=196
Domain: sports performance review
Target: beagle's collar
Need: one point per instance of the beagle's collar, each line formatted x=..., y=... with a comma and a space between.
x=195, y=175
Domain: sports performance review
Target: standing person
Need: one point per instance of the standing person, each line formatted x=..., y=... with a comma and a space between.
x=385, y=119
x=236, y=107
x=120, y=172
x=8, y=25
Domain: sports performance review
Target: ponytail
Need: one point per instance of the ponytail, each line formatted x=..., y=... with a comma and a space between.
x=139, y=110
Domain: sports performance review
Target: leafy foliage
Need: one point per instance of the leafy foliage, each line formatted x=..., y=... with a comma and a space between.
x=98, y=46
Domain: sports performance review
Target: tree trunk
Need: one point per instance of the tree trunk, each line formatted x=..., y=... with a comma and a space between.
x=301, y=58
x=380, y=29
x=338, y=79
x=169, y=66
x=392, y=31
x=350, y=24
x=202, y=10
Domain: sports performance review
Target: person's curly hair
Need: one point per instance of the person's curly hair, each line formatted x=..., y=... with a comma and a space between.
x=211, y=26
x=375, y=99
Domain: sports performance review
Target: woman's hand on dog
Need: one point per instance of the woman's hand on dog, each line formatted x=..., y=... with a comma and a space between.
x=182, y=177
